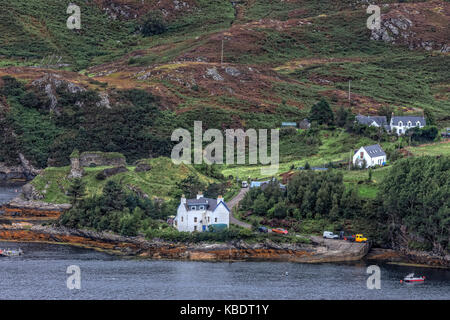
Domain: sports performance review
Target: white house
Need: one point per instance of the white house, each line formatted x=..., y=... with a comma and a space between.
x=200, y=213
x=373, y=155
x=400, y=125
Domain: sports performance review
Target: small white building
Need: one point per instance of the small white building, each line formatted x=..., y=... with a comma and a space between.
x=201, y=213
x=400, y=125
x=372, y=155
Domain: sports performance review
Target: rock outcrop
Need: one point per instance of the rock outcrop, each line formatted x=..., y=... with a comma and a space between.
x=49, y=83
x=421, y=25
x=113, y=171
x=143, y=167
x=19, y=207
x=19, y=173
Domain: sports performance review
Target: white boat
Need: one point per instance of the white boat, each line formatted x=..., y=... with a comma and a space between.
x=411, y=278
x=10, y=253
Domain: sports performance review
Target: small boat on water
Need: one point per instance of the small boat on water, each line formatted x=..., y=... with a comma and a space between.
x=10, y=253
x=411, y=278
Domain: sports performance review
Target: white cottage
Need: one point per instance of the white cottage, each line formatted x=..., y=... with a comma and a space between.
x=200, y=213
x=400, y=125
x=373, y=155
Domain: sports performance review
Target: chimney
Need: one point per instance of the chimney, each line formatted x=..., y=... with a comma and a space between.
x=219, y=199
x=183, y=199
x=200, y=195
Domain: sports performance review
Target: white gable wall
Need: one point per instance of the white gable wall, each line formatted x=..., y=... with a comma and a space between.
x=194, y=220
x=370, y=162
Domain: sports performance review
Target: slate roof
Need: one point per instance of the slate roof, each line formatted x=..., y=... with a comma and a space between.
x=374, y=150
x=368, y=120
x=210, y=203
x=396, y=119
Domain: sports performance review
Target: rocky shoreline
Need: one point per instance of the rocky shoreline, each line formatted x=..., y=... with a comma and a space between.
x=318, y=251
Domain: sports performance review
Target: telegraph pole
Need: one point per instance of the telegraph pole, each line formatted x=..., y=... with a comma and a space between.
x=221, y=55
x=350, y=160
x=349, y=82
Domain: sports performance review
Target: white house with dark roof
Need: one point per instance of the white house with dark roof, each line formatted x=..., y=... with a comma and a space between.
x=400, y=124
x=201, y=213
x=372, y=155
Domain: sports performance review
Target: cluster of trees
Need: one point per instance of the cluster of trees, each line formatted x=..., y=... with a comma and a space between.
x=114, y=210
x=133, y=125
x=191, y=186
x=425, y=134
x=322, y=114
x=308, y=195
x=416, y=195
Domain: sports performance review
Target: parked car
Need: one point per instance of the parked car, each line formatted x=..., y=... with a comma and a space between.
x=244, y=184
x=263, y=229
x=330, y=235
x=356, y=238
x=280, y=231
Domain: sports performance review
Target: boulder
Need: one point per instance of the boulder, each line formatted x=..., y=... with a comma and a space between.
x=143, y=167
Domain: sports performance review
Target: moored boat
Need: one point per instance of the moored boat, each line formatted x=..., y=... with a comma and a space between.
x=10, y=253
x=411, y=278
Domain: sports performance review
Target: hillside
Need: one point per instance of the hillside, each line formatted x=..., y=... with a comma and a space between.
x=279, y=58
x=160, y=181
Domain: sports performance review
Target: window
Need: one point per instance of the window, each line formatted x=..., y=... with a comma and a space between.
x=201, y=208
x=208, y=219
x=215, y=219
x=361, y=155
x=195, y=228
x=193, y=208
x=400, y=124
x=409, y=124
x=181, y=219
x=418, y=123
x=195, y=219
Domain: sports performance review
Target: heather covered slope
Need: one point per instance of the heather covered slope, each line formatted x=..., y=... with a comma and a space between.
x=279, y=59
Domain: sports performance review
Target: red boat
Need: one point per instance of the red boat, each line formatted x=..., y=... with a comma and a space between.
x=411, y=278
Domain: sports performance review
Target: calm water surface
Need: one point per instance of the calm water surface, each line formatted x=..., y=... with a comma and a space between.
x=41, y=274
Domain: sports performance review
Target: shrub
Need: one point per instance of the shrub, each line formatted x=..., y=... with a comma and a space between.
x=153, y=24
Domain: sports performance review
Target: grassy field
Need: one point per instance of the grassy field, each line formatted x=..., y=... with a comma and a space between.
x=434, y=149
x=159, y=182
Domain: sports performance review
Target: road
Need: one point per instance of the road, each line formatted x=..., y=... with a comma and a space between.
x=233, y=203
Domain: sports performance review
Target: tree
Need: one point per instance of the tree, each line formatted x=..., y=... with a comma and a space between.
x=429, y=116
x=76, y=191
x=342, y=117
x=387, y=112
x=154, y=24
x=321, y=113
x=280, y=210
x=190, y=186
x=113, y=197
x=260, y=205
